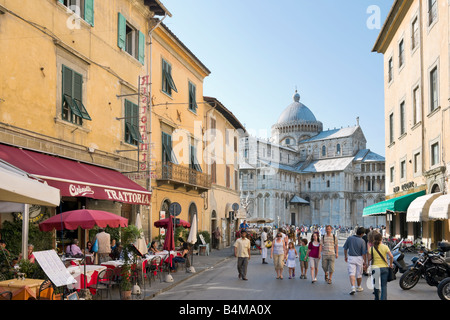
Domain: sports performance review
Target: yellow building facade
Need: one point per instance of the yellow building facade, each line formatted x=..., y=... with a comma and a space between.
x=179, y=174
x=414, y=42
x=222, y=135
x=69, y=98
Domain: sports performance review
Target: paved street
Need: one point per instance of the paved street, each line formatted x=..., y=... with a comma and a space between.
x=221, y=283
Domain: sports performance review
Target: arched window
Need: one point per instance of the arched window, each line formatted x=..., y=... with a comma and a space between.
x=324, y=151
x=338, y=149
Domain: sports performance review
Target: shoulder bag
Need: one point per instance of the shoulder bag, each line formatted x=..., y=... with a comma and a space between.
x=391, y=272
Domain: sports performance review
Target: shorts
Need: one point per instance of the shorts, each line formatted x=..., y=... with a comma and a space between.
x=304, y=264
x=328, y=263
x=314, y=262
x=278, y=261
x=355, y=266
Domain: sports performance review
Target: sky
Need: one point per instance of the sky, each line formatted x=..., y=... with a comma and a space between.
x=259, y=52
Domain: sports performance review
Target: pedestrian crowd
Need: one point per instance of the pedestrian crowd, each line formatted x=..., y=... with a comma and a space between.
x=320, y=250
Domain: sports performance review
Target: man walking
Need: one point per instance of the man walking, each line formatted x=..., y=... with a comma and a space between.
x=355, y=256
x=329, y=250
x=263, y=245
x=242, y=252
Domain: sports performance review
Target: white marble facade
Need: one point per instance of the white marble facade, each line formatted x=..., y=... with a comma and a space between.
x=332, y=170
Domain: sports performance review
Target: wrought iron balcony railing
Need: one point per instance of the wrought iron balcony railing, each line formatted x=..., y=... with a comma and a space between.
x=178, y=175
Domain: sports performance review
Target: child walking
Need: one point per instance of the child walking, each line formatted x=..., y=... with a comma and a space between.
x=303, y=257
x=292, y=255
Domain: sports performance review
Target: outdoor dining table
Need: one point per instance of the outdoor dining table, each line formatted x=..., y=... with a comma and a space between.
x=92, y=272
x=25, y=289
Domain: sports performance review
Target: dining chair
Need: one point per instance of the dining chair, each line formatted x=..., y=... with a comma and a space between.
x=6, y=295
x=46, y=285
x=104, y=283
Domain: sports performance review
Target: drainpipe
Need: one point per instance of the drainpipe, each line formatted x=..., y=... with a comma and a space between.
x=149, y=108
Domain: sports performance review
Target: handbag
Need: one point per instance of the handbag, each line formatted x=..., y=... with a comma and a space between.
x=390, y=272
x=95, y=246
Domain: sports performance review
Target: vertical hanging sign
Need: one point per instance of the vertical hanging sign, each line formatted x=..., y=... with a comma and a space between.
x=143, y=102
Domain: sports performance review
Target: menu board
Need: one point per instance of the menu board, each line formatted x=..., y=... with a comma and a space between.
x=54, y=268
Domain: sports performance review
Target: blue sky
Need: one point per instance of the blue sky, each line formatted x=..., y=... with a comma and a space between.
x=260, y=51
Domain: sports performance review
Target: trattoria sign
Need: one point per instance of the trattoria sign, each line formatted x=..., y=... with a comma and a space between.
x=102, y=192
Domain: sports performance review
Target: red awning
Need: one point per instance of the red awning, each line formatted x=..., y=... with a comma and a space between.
x=76, y=179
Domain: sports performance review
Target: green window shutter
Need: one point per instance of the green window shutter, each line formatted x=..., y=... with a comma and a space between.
x=89, y=11
x=121, y=31
x=62, y=1
x=77, y=96
x=131, y=123
x=192, y=101
x=141, y=47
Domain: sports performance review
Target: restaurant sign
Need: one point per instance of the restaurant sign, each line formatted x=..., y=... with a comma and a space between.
x=103, y=192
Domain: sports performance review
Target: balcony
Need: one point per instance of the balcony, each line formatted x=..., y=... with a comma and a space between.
x=182, y=176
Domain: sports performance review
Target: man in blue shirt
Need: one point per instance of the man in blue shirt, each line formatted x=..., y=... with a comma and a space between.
x=243, y=225
x=355, y=250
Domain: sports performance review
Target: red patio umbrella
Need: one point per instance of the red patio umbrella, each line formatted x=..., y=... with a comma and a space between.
x=84, y=218
x=163, y=223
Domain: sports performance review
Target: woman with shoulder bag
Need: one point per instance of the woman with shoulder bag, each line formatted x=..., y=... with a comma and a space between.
x=378, y=254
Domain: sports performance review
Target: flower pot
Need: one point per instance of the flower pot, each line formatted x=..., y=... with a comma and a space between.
x=126, y=295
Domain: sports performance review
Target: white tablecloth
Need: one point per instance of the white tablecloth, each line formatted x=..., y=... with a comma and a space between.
x=77, y=271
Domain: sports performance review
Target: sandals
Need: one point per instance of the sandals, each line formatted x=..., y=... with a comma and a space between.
x=329, y=281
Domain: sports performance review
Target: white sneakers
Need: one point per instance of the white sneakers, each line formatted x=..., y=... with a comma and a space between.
x=358, y=289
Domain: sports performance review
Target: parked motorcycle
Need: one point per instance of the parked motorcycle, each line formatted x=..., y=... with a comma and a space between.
x=432, y=265
x=399, y=259
x=444, y=289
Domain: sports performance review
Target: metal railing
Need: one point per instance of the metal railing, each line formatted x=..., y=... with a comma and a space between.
x=168, y=171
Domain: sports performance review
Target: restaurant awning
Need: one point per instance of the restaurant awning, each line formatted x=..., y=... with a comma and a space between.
x=76, y=179
x=17, y=187
x=439, y=208
x=419, y=208
x=398, y=204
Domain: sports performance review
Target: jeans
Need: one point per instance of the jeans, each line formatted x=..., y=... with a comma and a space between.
x=383, y=273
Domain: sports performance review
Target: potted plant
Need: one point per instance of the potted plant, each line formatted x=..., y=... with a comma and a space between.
x=128, y=236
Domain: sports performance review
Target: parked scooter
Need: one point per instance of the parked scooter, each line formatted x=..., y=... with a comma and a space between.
x=399, y=259
x=432, y=265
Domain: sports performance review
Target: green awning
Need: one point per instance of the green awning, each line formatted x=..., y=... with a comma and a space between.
x=399, y=204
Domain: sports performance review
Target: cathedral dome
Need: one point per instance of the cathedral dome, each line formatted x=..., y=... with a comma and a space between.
x=296, y=112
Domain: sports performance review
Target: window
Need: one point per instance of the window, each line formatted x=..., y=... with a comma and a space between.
x=415, y=34
x=167, y=150
x=416, y=162
x=416, y=105
x=338, y=149
x=167, y=82
x=73, y=109
x=391, y=174
x=194, y=164
x=391, y=128
x=324, y=151
x=403, y=169
x=434, y=89
x=390, y=70
x=83, y=8
x=401, y=53
x=288, y=141
x=328, y=183
x=130, y=39
x=434, y=154
x=402, y=118
x=228, y=182
x=132, y=135
x=192, y=97
x=432, y=11
x=214, y=172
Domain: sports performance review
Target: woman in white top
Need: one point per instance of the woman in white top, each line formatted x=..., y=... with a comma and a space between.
x=278, y=252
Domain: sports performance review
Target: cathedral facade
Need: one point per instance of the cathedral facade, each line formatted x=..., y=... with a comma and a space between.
x=305, y=175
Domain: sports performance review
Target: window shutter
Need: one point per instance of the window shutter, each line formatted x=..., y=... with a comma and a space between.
x=67, y=81
x=89, y=11
x=121, y=31
x=61, y=1
x=141, y=47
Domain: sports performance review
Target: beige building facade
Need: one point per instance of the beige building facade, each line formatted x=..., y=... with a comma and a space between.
x=415, y=43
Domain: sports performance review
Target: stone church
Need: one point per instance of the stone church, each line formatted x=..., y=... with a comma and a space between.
x=305, y=175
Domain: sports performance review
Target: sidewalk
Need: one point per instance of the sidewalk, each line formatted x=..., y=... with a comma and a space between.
x=200, y=264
